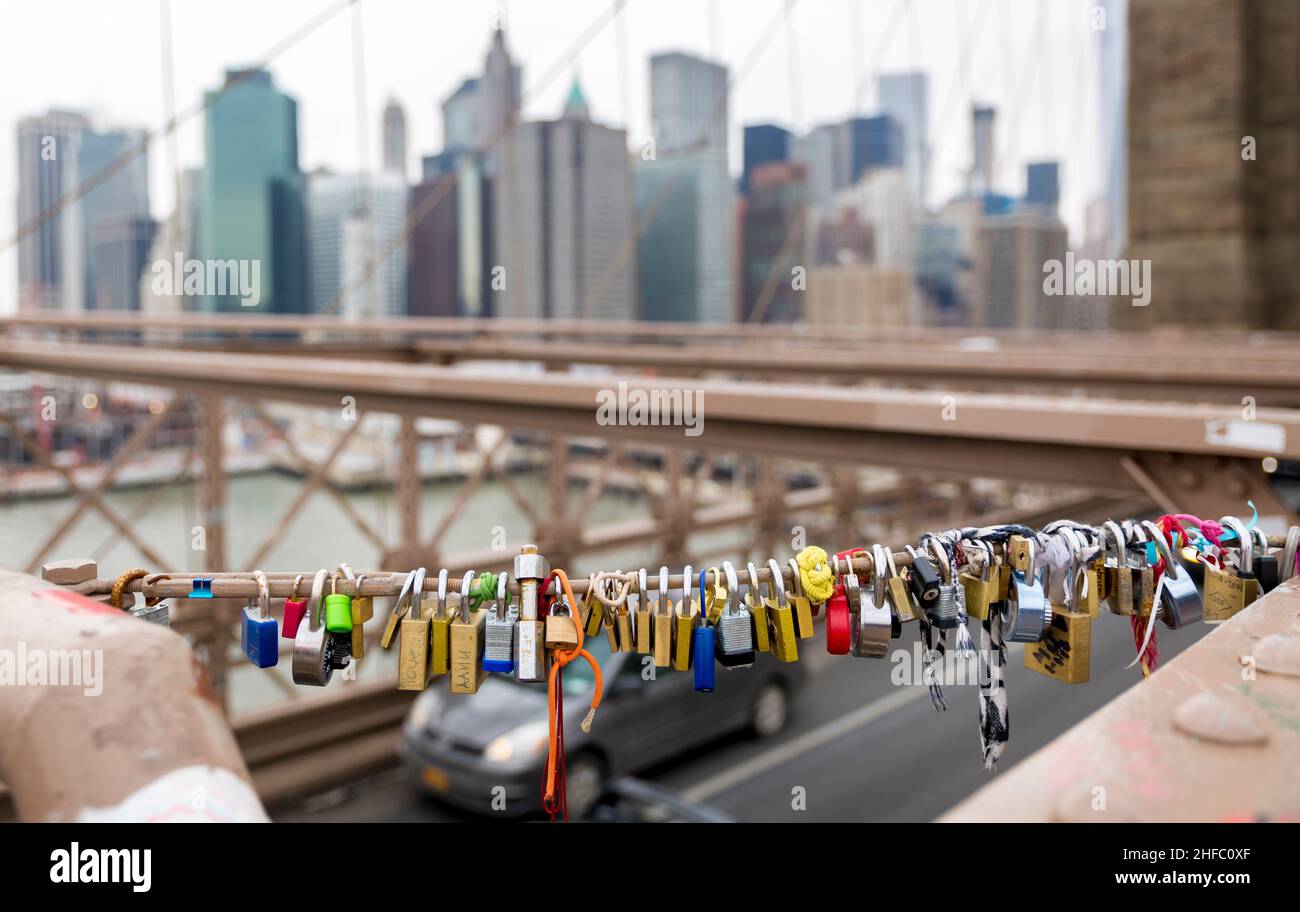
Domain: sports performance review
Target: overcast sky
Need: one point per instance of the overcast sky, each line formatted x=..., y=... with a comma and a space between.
x=1035, y=60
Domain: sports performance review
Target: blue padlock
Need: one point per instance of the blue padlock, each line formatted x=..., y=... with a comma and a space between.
x=260, y=635
x=704, y=636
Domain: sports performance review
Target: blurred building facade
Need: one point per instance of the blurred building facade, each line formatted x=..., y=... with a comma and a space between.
x=774, y=244
x=252, y=197
x=684, y=195
x=394, y=138
x=356, y=238
x=764, y=143
x=905, y=98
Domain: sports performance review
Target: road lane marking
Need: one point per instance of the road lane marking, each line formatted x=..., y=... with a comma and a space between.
x=808, y=741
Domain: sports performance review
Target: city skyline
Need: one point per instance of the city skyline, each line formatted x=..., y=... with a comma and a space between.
x=760, y=93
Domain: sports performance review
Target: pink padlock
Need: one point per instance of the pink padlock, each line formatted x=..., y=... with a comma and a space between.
x=294, y=611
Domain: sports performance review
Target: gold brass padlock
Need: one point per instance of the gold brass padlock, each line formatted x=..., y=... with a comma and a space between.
x=593, y=612
x=715, y=598
x=363, y=609
x=781, y=614
x=400, y=610
x=663, y=623
x=413, y=636
x=800, y=604
x=685, y=619
x=978, y=587
x=1226, y=592
x=1118, y=576
x=758, y=610
x=466, y=643
x=644, y=625
x=440, y=625
x=561, y=629
x=1065, y=651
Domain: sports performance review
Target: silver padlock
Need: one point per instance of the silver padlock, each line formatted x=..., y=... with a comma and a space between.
x=1178, y=603
x=499, y=636
x=313, y=660
x=735, y=642
x=159, y=614
x=1026, y=613
x=950, y=604
x=874, y=627
x=531, y=570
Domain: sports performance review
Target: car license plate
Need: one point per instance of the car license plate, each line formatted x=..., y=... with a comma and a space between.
x=436, y=779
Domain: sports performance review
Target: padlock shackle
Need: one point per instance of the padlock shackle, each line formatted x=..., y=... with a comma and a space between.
x=796, y=582
x=263, y=595
x=1158, y=537
x=502, y=595
x=704, y=572
x=314, y=604
x=1111, y=528
x=1243, y=539
x=467, y=581
x=408, y=600
x=878, y=570
x=443, y=575
x=778, y=584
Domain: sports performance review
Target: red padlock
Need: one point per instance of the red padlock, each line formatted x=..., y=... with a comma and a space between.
x=839, y=625
x=294, y=611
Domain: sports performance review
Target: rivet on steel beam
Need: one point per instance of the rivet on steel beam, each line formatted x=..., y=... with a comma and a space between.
x=1212, y=717
x=1278, y=654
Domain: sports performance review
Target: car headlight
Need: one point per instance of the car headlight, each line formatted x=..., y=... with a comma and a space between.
x=528, y=740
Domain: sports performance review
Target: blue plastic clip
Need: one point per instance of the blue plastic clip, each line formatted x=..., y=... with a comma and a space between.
x=201, y=587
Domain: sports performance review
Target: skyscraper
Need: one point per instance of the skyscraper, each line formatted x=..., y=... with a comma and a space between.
x=569, y=249
x=1043, y=185
x=774, y=243
x=50, y=268
x=354, y=221
x=684, y=195
x=982, y=167
x=461, y=113
x=764, y=143
x=1010, y=251
x=252, y=198
x=394, y=138
x=113, y=216
x=882, y=199
x=905, y=98
x=1112, y=132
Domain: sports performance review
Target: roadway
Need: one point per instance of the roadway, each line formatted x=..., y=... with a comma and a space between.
x=862, y=748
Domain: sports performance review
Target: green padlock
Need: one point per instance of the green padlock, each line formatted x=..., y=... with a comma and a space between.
x=338, y=613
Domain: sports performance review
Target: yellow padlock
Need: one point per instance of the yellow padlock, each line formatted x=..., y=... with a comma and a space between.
x=758, y=609
x=663, y=623
x=685, y=619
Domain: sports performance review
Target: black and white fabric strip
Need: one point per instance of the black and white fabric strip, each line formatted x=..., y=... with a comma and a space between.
x=994, y=720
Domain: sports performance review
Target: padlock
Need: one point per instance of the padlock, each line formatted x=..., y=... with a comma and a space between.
x=1266, y=562
x=923, y=580
x=950, y=604
x=839, y=621
x=780, y=615
x=663, y=624
x=363, y=609
x=898, y=595
x=1178, y=604
x=685, y=617
x=644, y=625
x=1065, y=651
x=260, y=635
x=875, y=622
x=444, y=612
x=703, y=647
x=758, y=611
x=593, y=612
x=626, y=637
x=561, y=629
x=1144, y=579
x=1291, y=553
x=978, y=587
x=800, y=604
x=294, y=609
x=1118, y=577
x=735, y=627
x=1026, y=613
x=338, y=609
x=313, y=652
x=159, y=614
x=499, y=631
x=413, y=671
x=531, y=571
x=467, y=641
x=1226, y=592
